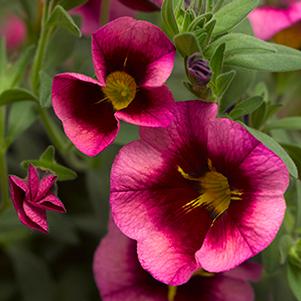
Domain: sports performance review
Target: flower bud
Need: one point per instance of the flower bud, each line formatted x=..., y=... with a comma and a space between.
x=198, y=70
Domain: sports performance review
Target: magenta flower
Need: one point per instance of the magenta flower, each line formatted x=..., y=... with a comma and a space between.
x=120, y=277
x=32, y=197
x=90, y=13
x=269, y=21
x=202, y=193
x=132, y=61
x=14, y=30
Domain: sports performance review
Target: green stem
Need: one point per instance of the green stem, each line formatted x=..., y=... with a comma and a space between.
x=41, y=50
x=105, y=11
x=53, y=132
x=3, y=164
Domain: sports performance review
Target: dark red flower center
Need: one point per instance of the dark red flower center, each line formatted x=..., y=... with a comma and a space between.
x=215, y=192
x=120, y=89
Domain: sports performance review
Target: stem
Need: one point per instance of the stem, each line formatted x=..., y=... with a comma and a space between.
x=3, y=164
x=53, y=132
x=41, y=49
x=105, y=11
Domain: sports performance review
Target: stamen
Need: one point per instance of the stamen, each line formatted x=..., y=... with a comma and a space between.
x=172, y=291
x=215, y=193
x=120, y=89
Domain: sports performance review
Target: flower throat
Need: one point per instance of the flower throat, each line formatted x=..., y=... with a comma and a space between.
x=215, y=192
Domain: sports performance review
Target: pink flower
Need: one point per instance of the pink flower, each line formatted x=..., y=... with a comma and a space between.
x=90, y=13
x=132, y=61
x=120, y=277
x=32, y=197
x=202, y=193
x=279, y=24
x=13, y=29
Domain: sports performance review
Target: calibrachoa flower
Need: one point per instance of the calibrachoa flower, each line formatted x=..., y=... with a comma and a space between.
x=33, y=196
x=120, y=277
x=13, y=29
x=132, y=61
x=202, y=193
x=282, y=24
x=90, y=13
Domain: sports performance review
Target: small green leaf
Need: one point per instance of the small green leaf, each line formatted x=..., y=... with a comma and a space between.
x=200, y=21
x=16, y=95
x=232, y=14
x=60, y=17
x=294, y=152
x=285, y=243
x=45, y=90
x=274, y=146
x=186, y=43
x=223, y=81
x=294, y=280
x=217, y=60
x=48, y=154
x=246, y=107
x=21, y=116
x=68, y=4
x=168, y=17
x=288, y=123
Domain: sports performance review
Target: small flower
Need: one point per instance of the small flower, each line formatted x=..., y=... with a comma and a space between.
x=132, y=61
x=280, y=24
x=90, y=13
x=32, y=197
x=120, y=277
x=13, y=29
x=201, y=193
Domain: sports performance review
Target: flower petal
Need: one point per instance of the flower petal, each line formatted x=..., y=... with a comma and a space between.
x=88, y=123
x=118, y=274
x=137, y=47
x=51, y=202
x=45, y=186
x=246, y=271
x=33, y=182
x=143, y=5
x=266, y=21
x=37, y=217
x=152, y=107
x=244, y=231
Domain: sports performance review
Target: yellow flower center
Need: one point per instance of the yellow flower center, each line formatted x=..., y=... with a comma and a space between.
x=215, y=193
x=120, y=89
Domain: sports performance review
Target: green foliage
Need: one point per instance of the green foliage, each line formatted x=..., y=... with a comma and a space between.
x=168, y=17
x=45, y=90
x=294, y=280
x=16, y=95
x=47, y=162
x=68, y=4
x=288, y=123
x=186, y=43
x=246, y=107
x=61, y=18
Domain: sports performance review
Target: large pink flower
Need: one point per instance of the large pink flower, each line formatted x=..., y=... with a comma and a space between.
x=202, y=193
x=120, y=277
x=32, y=197
x=281, y=24
x=90, y=13
x=132, y=61
x=14, y=30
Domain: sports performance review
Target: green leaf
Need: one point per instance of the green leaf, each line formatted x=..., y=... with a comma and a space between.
x=45, y=90
x=239, y=43
x=217, y=60
x=16, y=95
x=246, y=107
x=21, y=116
x=232, y=14
x=186, y=43
x=285, y=243
x=61, y=18
x=168, y=17
x=285, y=59
x=68, y=4
x=294, y=280
x=18, y=69
x=294, y=152
x=223, y=81
x=47, y=162
x=200, y=21
x=274, y=146
x=32, y=275
x=288, y=123
x=3, y=58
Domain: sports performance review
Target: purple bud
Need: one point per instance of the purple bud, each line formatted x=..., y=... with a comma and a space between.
x=198, y=69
